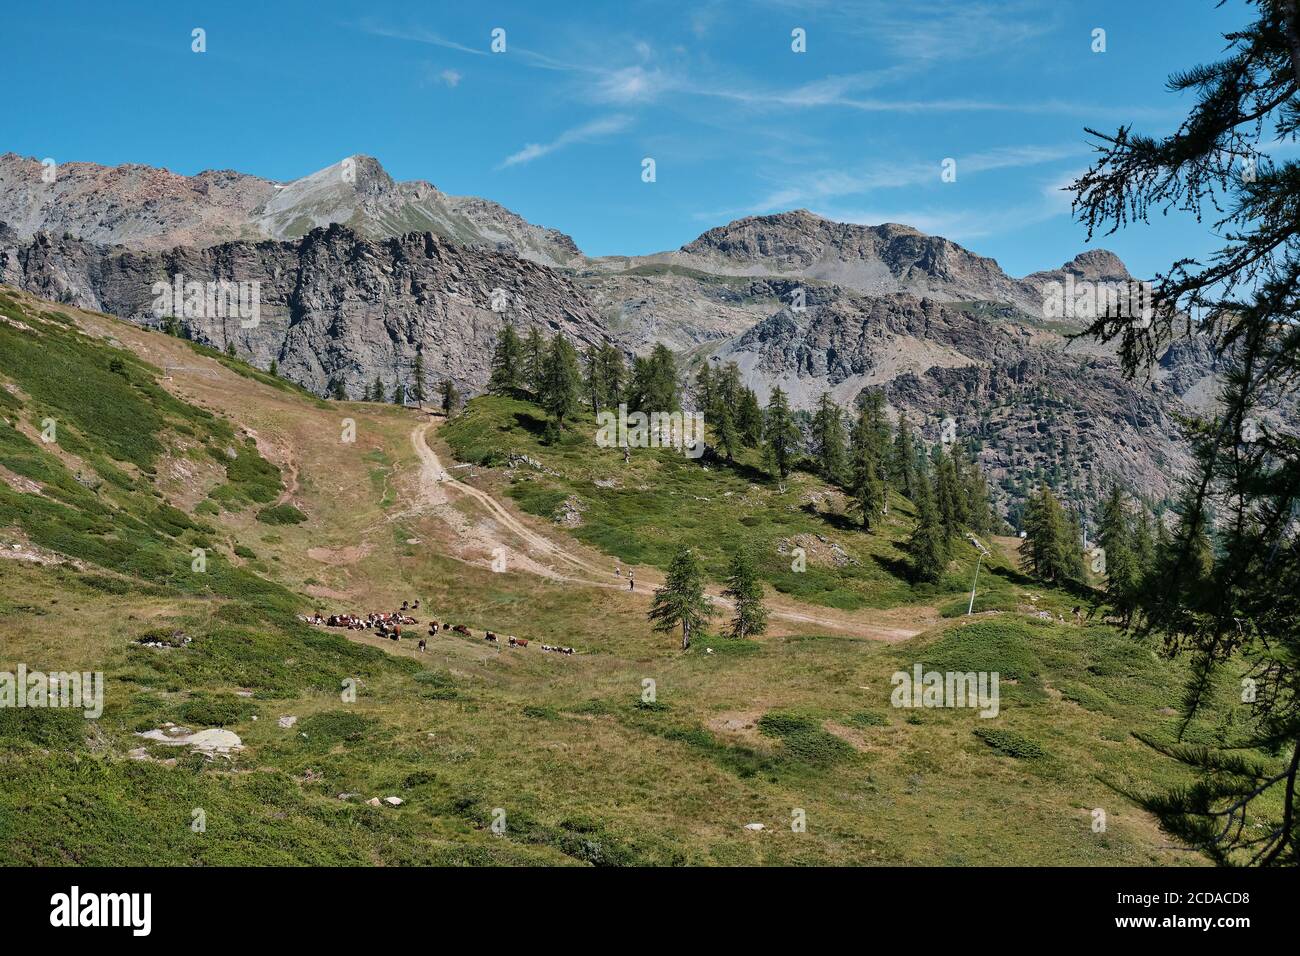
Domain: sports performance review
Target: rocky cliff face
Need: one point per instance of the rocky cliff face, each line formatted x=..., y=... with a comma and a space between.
x=332, y=305
x=1030, y=404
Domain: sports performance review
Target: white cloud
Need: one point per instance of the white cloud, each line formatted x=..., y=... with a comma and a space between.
x=418, y=35
x=450, y=77
x=579, y=134
x=827, y=184
x=633, y=84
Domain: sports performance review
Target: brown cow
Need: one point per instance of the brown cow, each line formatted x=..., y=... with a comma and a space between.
x=518, y=642
x=461, y=629
x=489, y=636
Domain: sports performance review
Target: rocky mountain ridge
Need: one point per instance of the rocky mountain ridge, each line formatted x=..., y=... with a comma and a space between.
x=146, y=208
x=366, y=273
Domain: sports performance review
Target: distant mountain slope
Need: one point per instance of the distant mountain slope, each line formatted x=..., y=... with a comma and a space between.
x=1029, y=405
x=147, y=208
x=877, y=260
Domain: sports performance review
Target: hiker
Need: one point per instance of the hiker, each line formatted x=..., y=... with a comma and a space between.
x=631, y=581
x=618, y=570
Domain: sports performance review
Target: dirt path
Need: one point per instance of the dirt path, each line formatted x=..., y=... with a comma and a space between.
x=436, y=485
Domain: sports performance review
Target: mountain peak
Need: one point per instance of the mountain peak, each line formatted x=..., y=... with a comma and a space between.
x=1097, y=264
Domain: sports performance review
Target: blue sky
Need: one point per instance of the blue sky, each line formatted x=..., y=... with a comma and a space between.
x=556, y=127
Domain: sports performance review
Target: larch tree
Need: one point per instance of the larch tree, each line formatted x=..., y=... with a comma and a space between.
x=745, y=592
x=682, y=601
x=1239, y=603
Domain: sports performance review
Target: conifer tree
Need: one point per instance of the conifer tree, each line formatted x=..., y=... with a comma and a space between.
x=867, y=455
x=749, y=419
x=507, y=363
x=534, y=367
x=1240, y=302
x=724, y=430
x=561, y=384
x=828, y=440
x=780, y=435
x=1116, y=536
x=417, y=384
x=745, y=592
x=682, y=601
x=613, y=373
x=1051, y=550
x=450, y=397
x=705, y=391
x=927, y=548
x=904, y=460
x=593, y=380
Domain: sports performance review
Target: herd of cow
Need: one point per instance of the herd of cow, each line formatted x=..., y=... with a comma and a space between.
x=390, y=626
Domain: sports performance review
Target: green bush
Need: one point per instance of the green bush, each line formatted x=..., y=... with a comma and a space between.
x=1002, y=646
x=281, y=514
x=867, y=718
x=331, y=727
x=1010, y=743
x=216, y=710
x=804, y=739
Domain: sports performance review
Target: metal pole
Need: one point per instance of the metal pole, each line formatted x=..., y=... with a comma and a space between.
x=971, y=607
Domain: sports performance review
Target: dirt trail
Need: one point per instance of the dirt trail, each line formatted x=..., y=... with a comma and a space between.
x=435, y=484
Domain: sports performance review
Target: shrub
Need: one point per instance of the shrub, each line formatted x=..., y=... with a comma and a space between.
x=1010, y=743
x=867, y=718
x=1002, y=646
x=216, y=710
x=804, y=739
x=334, y=726
x=281, y=514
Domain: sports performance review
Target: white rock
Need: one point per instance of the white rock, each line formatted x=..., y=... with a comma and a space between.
x=288, y=720
x=212, y=741
x=393, y=801
x=373, y=802
x=754, y=826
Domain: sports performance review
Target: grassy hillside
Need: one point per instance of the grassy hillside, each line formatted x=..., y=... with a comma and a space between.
x=645, y=511
x=161, y=449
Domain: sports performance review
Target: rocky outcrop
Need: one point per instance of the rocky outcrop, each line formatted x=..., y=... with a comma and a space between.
x=1029, y=405
x=332, y=305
